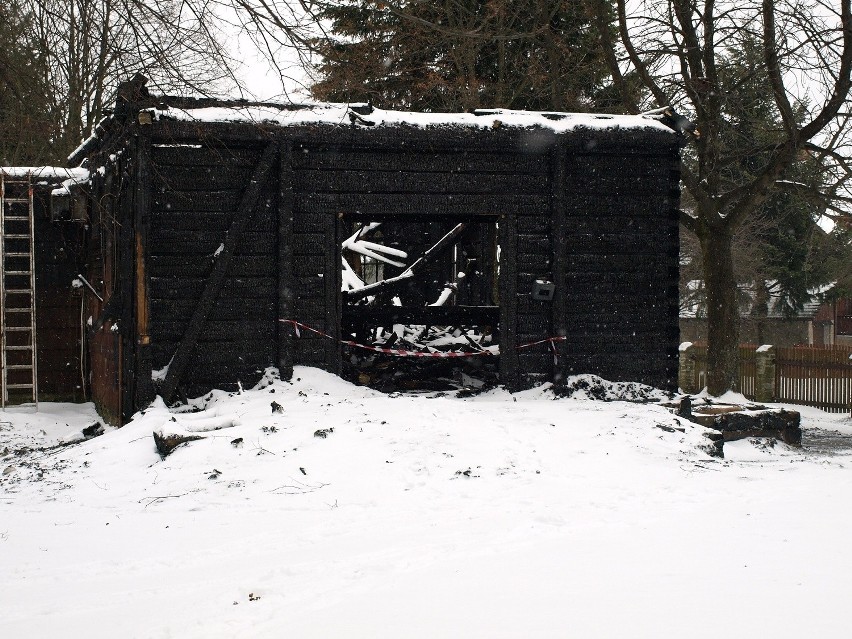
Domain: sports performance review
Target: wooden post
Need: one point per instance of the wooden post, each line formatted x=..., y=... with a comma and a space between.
x=286, y=290
x=124, y=289
x=508, y=235
x=559, y=307
x=764, y=382
x=686, y=369
x=141, y=224
x=332, y=276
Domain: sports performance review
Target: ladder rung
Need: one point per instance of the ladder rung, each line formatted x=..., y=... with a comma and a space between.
x=19, y=310
x=16, y=218
x=21, y=291
x=19, y=348
x=16, y=200
x=18, y=272
x=16, y=236
x=19, y=385
x=19, y=329
x=18, y=367
x=16, y=254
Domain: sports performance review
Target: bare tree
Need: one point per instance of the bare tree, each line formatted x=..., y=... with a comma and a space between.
x=87, y=47
x=683, y=51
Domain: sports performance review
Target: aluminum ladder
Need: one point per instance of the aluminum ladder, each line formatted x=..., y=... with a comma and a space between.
x=18, y=352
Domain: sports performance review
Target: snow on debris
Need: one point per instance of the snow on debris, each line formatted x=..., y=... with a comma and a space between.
x=342, y=114
x=594, y=387
x=332, y=510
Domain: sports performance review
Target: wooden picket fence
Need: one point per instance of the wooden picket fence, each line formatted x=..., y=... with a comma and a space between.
x=808, y=376
x=748, y=368
x=819, y=377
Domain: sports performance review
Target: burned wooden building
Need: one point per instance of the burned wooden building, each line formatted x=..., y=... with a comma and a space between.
x=552, y=237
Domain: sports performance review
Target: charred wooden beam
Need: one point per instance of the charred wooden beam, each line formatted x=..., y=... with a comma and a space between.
x=508, y=238
x=242, y=216
x=141, y=223
x=428, y=315
x=560, y=250
x=286, y=285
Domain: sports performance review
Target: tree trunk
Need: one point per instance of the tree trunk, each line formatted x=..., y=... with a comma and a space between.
x=722, y=312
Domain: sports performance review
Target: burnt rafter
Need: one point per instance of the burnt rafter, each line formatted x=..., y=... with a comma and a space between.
x=392, y=283
x=242, y=217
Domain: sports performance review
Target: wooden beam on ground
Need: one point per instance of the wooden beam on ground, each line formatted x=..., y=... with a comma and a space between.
x=242, y=216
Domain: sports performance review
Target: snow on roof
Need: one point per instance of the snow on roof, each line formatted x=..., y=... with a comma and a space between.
x=344, y=114
x=60, y=177
x=46, y=174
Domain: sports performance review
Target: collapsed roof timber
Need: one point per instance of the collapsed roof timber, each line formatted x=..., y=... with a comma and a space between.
x=208, y=222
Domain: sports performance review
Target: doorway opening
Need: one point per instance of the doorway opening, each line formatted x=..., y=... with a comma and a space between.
x=420, y=302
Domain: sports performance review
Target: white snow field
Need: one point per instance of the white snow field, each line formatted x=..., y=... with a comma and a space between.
x=418, y=516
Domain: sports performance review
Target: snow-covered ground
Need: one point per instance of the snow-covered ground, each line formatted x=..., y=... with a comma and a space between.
x=418, y=516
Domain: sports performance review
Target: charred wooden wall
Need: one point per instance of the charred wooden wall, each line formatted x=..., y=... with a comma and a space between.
x=620, y=274
x=591, y=211
x=429, y=180
x=58, y=306
x=195, y=191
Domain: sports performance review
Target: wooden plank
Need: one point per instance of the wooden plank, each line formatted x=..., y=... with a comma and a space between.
x=538, y=244
x=309, y=265
x=214, y=330
x=379, y=206
x=181, y=243
x=200, y=178
x=355, y=181
x=194, y=155
x=464, y=161
x=179, y=310
x=308, y=243
x=615, y=204
x=191, y=202
x=185, y=288
x=238, y=353
x=241, y=219
x=168, y=225
x=202, y=265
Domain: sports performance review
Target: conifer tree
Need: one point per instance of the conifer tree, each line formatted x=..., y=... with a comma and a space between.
x=451, y=55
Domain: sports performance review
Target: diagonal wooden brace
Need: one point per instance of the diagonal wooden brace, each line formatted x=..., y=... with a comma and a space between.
x=243, y=215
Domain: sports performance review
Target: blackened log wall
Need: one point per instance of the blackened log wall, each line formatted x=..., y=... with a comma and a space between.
x=196, y=190
x=621, y=263
x=592, y=211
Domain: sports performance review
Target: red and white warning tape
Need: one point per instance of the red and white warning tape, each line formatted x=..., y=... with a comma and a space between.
x=403, y=353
